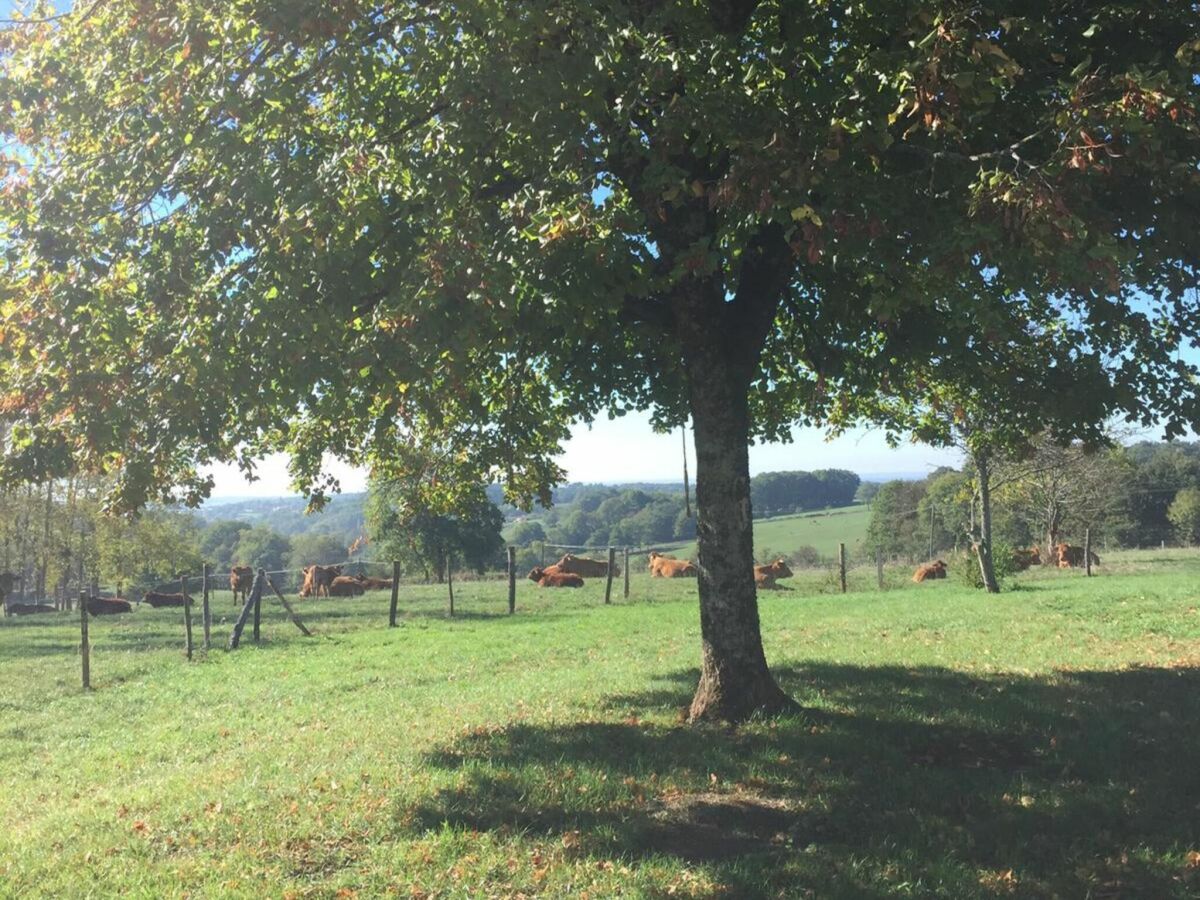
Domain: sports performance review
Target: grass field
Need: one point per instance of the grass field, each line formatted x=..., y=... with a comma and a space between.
x=823, y=530
x=1040, y=743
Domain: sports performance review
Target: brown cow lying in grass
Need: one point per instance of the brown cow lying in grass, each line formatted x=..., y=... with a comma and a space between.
x=241, y=580
x=29, y=609
x=936, y=569
x=584, y=567
x=319, y=579
x=766, y=576
x=1069, y=556
x=552, y=576
x=373, y=584
x=668, y=567
x=344, y=586
x=108, y=606
x=1024, y=559
x=155, y=599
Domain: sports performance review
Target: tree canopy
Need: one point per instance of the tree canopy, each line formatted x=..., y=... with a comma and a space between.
x=370, y=228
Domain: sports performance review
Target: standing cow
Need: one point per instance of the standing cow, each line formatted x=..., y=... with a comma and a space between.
x=241, y=580
x=584, y=567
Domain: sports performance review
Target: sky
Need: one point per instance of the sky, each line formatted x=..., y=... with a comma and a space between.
x=626, y=449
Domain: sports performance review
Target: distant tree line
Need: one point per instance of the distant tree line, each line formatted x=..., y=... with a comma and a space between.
x=782, y=493
x=1140, y=495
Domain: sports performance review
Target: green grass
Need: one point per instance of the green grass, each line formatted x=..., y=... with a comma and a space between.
x=1036, y=744
x=823, y=530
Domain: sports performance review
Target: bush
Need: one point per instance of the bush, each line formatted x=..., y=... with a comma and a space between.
x=964, y=567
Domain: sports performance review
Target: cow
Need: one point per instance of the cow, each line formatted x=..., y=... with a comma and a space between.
x=766, y=576
x=108, y=606
x=584, y=567
x=929, y=571
x=28, y=609
x=1024, y=559
x=553, y=577
x=1070, y=556
x=373, y=584
x=318, y=579
x=241, y=580
x=344, y=586
x=667, y=567
x=156, y=599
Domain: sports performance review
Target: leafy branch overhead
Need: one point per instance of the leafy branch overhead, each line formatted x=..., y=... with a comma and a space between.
x=357, y=227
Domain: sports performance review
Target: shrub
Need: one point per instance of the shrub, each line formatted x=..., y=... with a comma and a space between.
x=964, y=567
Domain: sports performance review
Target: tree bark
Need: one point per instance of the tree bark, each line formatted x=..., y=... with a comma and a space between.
x=987, y=565
x=734, y=679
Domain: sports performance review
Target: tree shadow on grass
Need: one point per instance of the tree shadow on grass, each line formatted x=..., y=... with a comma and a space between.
x=1077, y=784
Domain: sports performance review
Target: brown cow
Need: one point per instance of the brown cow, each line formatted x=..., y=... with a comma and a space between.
x=1024, y=559
x=928, y=571
x=155, y=599
x=668, y=567
x=318, y=579
x=1071, y=557
x=373, y=584
x=108, y=606
x=344, y=586
x=584, y=567
x=552, y=577
x=766, y=576
x=241, y=580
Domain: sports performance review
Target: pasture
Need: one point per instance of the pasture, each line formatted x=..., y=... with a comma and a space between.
x=821, y=529
x=1037, y=743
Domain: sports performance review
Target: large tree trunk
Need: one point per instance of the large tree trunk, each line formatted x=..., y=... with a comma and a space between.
x=734, y=679
x=987, y=565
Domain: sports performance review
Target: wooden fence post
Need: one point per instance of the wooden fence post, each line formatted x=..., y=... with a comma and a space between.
x=262, y=574
x=512, y=580
x=543, y=562
x=842, y=565
x=1087, y=551
x=395, y=593
x=252, y=600
x=612, y=561
x=291, y=612
x=450, y=581
x=85, y=650
x=187, y=614
x=626, y=573
x=207, y=610
x=879, y=567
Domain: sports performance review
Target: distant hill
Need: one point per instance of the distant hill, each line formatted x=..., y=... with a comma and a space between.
x=342, y=516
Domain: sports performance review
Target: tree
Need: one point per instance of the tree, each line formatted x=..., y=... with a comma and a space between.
x=262, y=547
x=525, y=533
x=316, y=547
x=403, y=524
x=895, y=527
x=218, y=542
x=480, y=222
x=1185, y=515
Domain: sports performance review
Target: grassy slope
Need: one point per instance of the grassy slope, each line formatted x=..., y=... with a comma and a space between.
x=1037, y=743
x=822, y=530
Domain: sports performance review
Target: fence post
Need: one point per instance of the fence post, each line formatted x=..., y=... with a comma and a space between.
x=252, y=600
x=395, y=593
x=626, y=560
x=512, y=580
x=450, y=580
x=612, y=561
x=207, y=610
x=187, y=614
x=85, y=650
x=262, y=574
x=842, y=565
x=879, y=567
x=543, y=562
x=1087, y=551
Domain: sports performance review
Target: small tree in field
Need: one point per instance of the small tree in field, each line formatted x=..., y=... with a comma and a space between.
x=1185, y=515
x=478, y=222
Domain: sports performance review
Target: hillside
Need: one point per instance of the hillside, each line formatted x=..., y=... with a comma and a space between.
x=785, y=535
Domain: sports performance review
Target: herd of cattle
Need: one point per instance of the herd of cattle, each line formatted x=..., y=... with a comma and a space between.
x=570, y=571
x=1064, y=556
